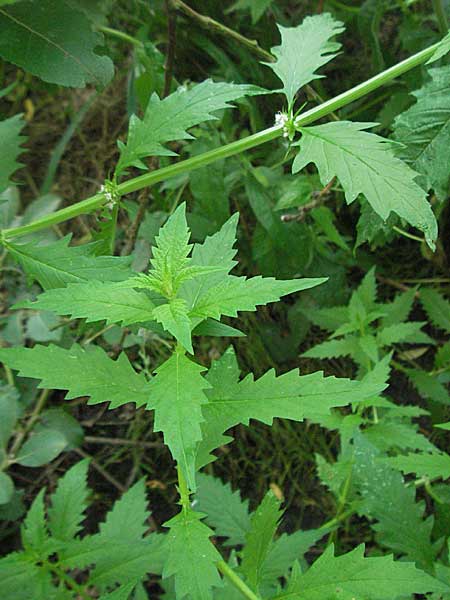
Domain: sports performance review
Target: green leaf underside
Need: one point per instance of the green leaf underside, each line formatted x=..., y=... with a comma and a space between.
x=365, y=164
x=168, y=119
x=82, y=372
x=352, y=575
x=96, y=301
x=191, y=557
x=424, y=129
x=10, y=148
x=177, y=394
x=57, y=264
x=289, y=396
x=53, y=41
x=303, y=50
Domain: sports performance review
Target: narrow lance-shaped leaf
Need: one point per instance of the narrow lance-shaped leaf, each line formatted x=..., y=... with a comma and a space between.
x=437, y=308
x=68, y=503
x=365, y=163
x=82, y=372
x=168, y=119
x=289, y=396
x=263, y=526
x=235, y=294
x=424, y=130
x=96, y=301
x=303, y=50
x=57, y=264
x=53, y=41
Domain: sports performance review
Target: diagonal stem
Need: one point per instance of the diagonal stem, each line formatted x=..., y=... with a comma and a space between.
x=237, y=147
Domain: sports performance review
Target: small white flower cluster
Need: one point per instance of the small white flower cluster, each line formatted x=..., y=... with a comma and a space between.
x=108, y=190
x=282, y=118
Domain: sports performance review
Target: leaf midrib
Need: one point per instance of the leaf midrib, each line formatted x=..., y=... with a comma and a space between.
x=51, y=43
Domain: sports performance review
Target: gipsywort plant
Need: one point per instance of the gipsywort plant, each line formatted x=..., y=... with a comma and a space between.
x=186, y=291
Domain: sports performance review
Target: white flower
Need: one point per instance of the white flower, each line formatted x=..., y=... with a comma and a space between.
x=281, y=118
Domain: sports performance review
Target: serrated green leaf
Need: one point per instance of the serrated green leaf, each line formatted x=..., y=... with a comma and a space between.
x=96, y=301
x=69, y=502
x=34, y=529
x=393, y=434
x=285, y=550
x=174, y=317
x=429, y=465
x=289, y=396
x=241, y=294
x=303, y=50
x=127, y=519
x=177, y=394
x=399, y=519
x=329, y=318
x=188, y=537
x=258, y=540
x=57, y=264
x=424, y=129
x=224, y=509
x=428, y=386
x=409, y=333
x=217, y=249
x=333, y=348
x=82, y=372
x=366, y=164
x=168, y=119
x=20, y=577
x=399, y=309
x=437, y=308
x=352, y=575
x=10, y=134
x=54, y=42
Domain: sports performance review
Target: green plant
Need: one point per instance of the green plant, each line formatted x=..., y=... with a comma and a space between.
x=185, y=293
x=366, y=330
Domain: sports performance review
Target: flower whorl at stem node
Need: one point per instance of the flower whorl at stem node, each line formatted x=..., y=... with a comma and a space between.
x=111, y=192
x=287, y=122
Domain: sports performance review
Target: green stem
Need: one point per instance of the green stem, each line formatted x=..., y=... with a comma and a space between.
x=183, y=489
x=252, y=141
x=184, y=492
x=236, y=581
x=408, y=235
x=441, y=16
x=121, y=36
